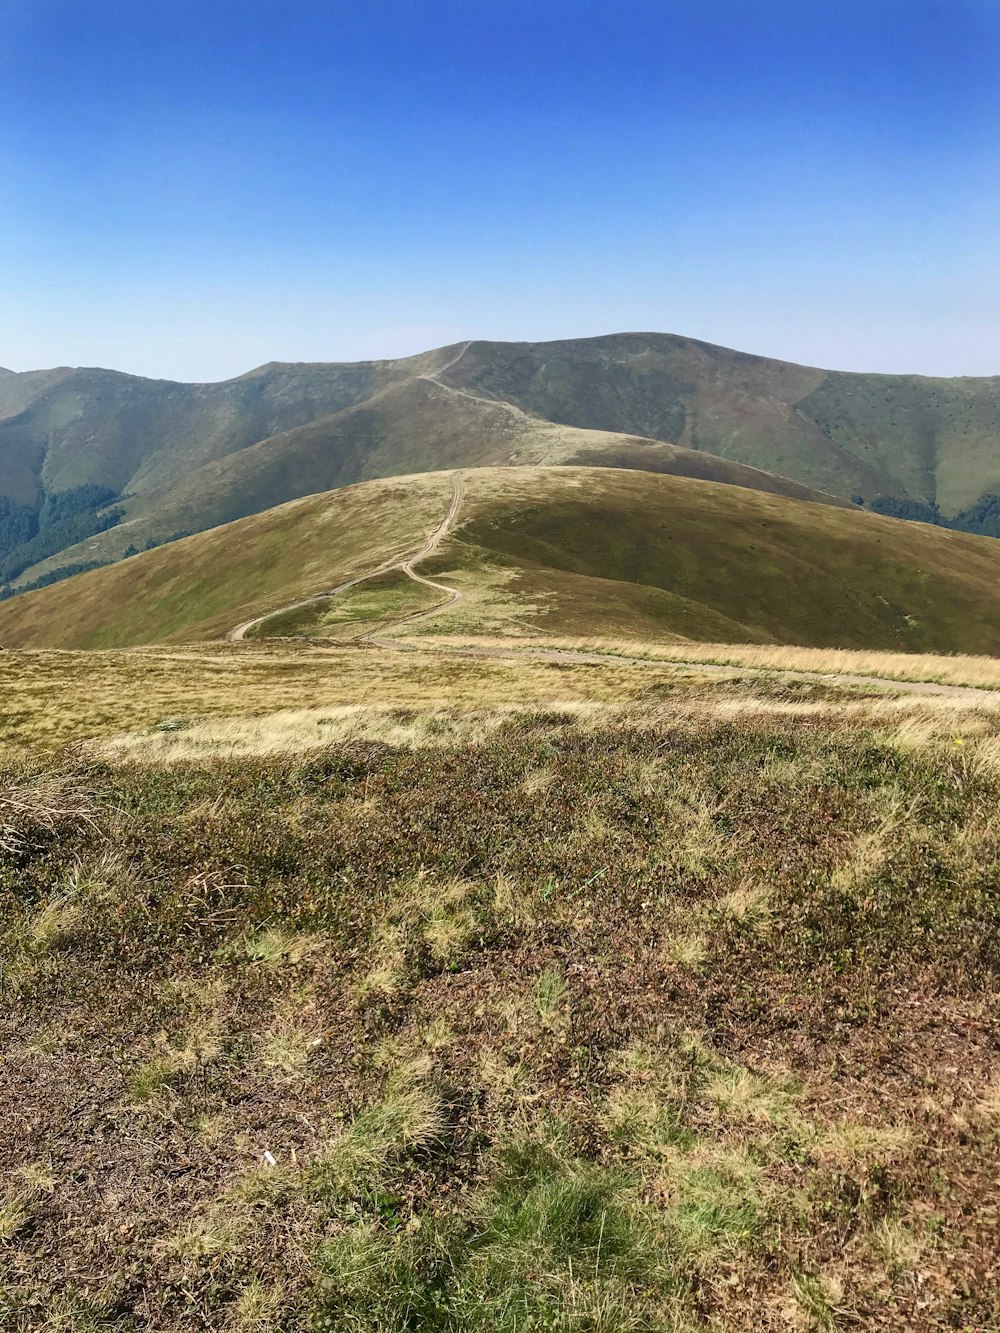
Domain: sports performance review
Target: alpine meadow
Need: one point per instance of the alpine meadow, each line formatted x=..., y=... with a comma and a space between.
x=498, y=819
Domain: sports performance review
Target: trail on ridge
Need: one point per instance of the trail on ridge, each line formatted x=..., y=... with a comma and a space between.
x=406, y=564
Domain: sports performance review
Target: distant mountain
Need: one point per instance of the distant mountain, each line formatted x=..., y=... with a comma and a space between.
x=933, y=440
x=553, y=550
x=95, y=464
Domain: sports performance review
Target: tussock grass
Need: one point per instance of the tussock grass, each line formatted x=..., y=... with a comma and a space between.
x=258, y=1308
x=429, y=926
x=275, y=945
x=537, y=781
x=550, y=997
x=15, y=1214
x=156, y=1076
x=200, y=1240
x=713, y=1142
x=275, y=700
x=408, y=1116
x=643, y=1114
x=748, y=903
x=711, y=1198
x=41, y=807
x=287, y=1046
x=318, y=694
x=198, y=1044
x=988, y=1105
x=39, y=1177
x=742, y=1097
x=687, y=949
x=899, y=1246
x=815, y=1298
x=552, y=1243
x=845, y=1143
x=53, y=926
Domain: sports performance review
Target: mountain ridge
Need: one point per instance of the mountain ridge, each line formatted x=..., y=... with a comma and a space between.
x=140, y=460
x=280, y=365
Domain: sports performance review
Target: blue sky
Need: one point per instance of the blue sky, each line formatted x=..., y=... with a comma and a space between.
x=189, y=189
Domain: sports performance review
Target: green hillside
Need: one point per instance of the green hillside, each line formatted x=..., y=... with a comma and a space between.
x=935, y=440
x=549, y=549
x=672, y=555
x=139, y=461
x=200, y=587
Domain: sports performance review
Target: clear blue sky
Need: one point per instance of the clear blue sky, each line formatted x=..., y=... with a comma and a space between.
x=189, y=189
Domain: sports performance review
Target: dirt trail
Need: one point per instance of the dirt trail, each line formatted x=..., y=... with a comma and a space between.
x=406, y=564
x=434, y=377
x=452, y=595
x=968, y=693
x=453, y=362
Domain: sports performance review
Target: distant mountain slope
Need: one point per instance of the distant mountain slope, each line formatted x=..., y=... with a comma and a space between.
x=135, y=462
x=903, y=435
x=560, y=549
x=208, y=468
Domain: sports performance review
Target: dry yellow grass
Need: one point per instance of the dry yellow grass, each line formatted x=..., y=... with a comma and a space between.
x=238, y=699
x=291, y=730
x=959, y=669
x=909, y=722
x=54, y=698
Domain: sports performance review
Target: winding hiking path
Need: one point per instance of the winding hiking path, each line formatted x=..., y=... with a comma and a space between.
x=238, y=634
x=452, y=595
x=406, y=564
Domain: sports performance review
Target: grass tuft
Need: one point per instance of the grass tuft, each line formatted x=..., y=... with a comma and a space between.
x=551, y=1243
x=742, y=1097
x=15, y=1214
x=53, y=926
x=815, y=1300
x=275, y=945
x=39, y=809
x=409, y=1116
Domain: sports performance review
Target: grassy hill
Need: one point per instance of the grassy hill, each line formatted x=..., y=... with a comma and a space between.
x=139, y=461
x=401, y=429
x=200, y=587
x=565, y=550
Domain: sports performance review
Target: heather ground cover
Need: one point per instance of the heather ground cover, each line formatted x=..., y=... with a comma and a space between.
x=679, y=1015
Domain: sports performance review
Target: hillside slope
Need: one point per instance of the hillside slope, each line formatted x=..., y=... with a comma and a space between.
x=95, y=464
x=124, y=452
x=403, y=428
x=592, y=551
x=551, y=549
x=935, y=440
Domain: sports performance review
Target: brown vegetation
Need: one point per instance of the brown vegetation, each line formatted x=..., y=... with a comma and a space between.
x=676, y=1016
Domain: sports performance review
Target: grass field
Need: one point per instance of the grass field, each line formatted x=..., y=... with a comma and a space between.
x=957, y=669
x=347, y=989
x=53, y=699
x=274, y=695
